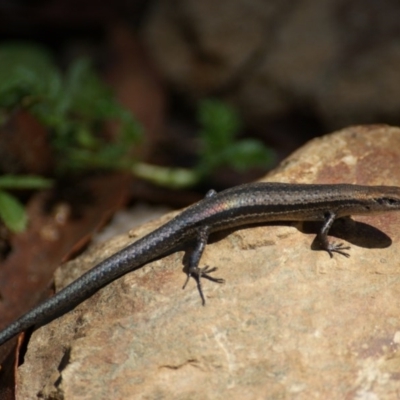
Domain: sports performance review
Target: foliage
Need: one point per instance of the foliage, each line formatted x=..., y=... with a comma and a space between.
x=12, y=212
x=220, y=124
x=75, y=105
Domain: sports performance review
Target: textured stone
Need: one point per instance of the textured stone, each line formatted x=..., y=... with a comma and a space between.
x=289, y=322
x=337, y=60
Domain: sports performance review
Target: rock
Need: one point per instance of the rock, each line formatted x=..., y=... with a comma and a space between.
x=273, y=58
x=289, y=322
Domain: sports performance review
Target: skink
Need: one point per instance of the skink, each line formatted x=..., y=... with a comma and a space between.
x=252, y=203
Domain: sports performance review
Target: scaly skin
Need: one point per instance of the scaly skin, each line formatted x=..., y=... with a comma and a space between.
x=253, y=203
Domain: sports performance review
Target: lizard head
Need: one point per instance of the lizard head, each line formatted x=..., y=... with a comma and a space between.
x=383, y=198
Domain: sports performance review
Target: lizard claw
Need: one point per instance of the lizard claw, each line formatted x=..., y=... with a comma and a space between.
x=199, y=273
x=205, y=273
x=339, y=248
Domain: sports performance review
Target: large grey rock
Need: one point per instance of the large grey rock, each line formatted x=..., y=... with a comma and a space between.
x=336, y=60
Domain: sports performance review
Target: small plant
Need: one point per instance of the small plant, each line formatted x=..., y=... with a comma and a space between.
x=75, y=107
x=12, y=212
x=220, y=125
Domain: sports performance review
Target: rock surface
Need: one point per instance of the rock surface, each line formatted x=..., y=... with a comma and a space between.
x=337, y=60
x=288, y=323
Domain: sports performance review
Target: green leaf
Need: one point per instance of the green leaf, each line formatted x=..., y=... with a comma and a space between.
x=73, y=106
x=18, y=56
x=24, y=182
x=248, y=153
x=176, y=178
x=220, y=123
x=12, y=212
x=24, y=73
